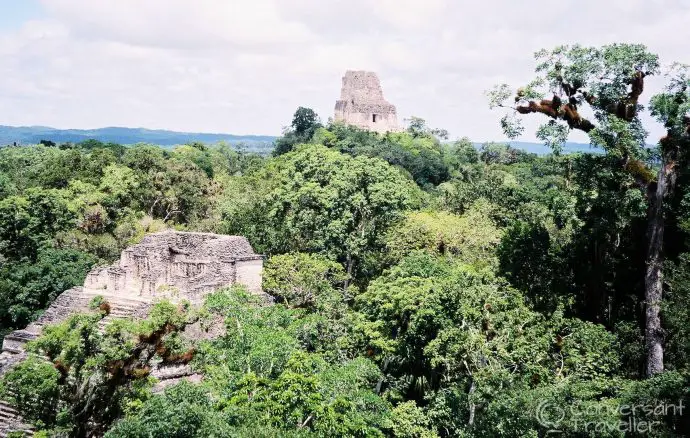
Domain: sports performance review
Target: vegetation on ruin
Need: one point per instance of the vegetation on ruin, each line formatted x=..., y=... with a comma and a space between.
x=422, y=288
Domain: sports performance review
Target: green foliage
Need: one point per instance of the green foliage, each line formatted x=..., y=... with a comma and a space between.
x=420, y=288
x=526, y=260
x=471, y=238
x=418, y=152
x=29, y=222
x=664, y=399
x=300, y=280
x=259, y=339
x=452, y=337
x=496, y=153
x=259, y=375
x=33, y=388
x=91, y=375
x=677, y=313
x=96, y=302
x=464, y=152
x=410, y=422
x=326, y=202
x=183, y=411
x=27, y=288
x=305, y=121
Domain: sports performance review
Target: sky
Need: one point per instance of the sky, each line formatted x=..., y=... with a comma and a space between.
x=244, y=66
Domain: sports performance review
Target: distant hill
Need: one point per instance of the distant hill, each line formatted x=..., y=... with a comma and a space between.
x=126, y=136
x=542, y=149
x=34, y=134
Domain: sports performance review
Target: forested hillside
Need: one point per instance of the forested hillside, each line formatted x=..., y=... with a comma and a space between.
x=22, y=135
x=422, y=289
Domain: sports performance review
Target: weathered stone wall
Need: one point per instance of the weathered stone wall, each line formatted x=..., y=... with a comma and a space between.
x=178, y=265
x=362, y=103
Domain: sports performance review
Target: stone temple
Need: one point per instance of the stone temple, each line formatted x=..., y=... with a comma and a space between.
x=362, y=103
x=179, y=265
x=172, y=265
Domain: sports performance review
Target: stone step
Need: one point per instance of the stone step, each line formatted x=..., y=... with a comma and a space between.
x=131, y=299
x=118, y=313
x=172, y=371
x=123, y=311
x=126, y=304
x=11, y=421
x=118, y=305
x=5, y=431
x=6, y=410
x=21, y=335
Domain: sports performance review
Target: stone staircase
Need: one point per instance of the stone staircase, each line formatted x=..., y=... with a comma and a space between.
x=11, y=421
x=121, y=307
x=188, y=264
x=70, y=302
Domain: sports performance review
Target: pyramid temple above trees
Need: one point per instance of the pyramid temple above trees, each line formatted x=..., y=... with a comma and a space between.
x=362, y=103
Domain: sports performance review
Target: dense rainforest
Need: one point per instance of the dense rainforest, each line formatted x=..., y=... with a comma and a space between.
x=423, y=288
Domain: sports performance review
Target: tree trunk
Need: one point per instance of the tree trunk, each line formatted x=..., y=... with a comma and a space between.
x=348, y=270
x=653, y=281
x=473, y=387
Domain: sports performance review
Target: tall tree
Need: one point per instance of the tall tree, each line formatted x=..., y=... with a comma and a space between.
x=610, y=80
x=304, y=124
x=322, y=201
x=305, y=121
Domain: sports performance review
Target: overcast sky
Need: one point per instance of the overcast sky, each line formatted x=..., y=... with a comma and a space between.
x=243, y=67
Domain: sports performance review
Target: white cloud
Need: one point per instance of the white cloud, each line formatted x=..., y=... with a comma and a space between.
x=243, y=66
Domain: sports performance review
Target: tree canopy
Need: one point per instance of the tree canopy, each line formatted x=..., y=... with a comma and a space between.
x=417, y=287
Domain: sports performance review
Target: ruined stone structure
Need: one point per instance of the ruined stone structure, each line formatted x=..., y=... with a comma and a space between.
x=170, y=264
x=362, y=103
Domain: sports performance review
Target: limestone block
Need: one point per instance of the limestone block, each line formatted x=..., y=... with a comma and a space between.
x=249, y=273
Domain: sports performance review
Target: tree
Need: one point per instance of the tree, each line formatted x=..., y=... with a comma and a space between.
x=119, y=183
x=450, y=336
x=321, y=201
x=26, y=288
x=417, y=128
x=182, y=411
x=60, y=166
x=92, y=373
x=260, y=375
x=300, y=280
x=525, y=261
x=305, y=121
x=422, y=155
x=497, y=153
x=33, y=387
x=29, y=222
x=464, y=151
x=610, y=80
x=471, y=238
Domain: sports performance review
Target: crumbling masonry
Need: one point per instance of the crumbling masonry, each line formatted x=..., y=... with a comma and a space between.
x=362, y=103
